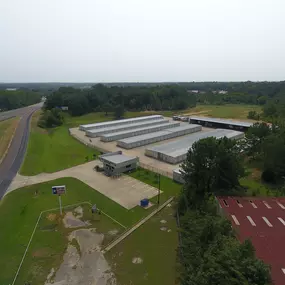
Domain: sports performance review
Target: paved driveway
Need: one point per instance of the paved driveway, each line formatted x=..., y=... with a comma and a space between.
x=125, y=190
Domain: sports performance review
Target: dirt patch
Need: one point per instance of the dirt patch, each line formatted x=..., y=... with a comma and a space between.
x=70, y=221
x=163, y=229
x=40, y=253
x=198, y=113
x=50, y=276
x=137, y=260
x=51, y=217
x=89, y=267
x=79, y=212
x=113, y=232
x=255, y=174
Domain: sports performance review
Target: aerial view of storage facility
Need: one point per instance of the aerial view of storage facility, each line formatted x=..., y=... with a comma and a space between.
x=137, y=131
x=93, y=133
x=150, y=138
x=220, y=123
x=119, y=122
x=175, y=152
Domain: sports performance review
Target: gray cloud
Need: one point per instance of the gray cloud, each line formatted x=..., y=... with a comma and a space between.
x=141, y=40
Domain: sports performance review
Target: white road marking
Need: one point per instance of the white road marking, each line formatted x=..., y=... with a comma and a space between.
x=235, y=220
x=225, y=203
x=280, y=205
x=283, y=270
x=281, y=220
x=266, y=204
x=240, y=205
x=251, y=221
x=267, y=222
x=253, y=205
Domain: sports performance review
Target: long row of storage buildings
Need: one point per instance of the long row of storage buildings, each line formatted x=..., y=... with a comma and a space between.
x=136, y=132
x=119, y=122
x=175, y=152
x=150, y=138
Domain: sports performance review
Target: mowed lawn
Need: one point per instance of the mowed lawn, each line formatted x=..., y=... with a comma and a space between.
x=19, y=211
x=53, y=150
x=155, y=243
x=7, y=129
x=230, y=111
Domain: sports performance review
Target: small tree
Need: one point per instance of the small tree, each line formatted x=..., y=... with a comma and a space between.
x=119, y=111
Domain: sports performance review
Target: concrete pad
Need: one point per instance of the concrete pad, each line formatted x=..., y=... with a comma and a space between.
x=124, y=190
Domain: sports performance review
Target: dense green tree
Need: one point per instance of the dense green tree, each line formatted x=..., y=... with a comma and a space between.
x=132, y=98
x=16, y=99
x=119, y=111
x=51, y=118
x=212, y=166
x=255, y=137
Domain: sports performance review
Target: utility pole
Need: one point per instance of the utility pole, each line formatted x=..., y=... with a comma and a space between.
x=158, y=196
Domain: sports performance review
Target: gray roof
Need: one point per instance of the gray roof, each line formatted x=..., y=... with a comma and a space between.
x=158, y=134
x=122, y=121
x=138, y=129
x=181, y=146
x=118, y=158
x=133, y=125
x=222, y=121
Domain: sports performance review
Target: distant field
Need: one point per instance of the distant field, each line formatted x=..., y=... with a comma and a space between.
x=7, y=129
x=223, y=111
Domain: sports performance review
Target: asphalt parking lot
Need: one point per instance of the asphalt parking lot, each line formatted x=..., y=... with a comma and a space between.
x=263, y=221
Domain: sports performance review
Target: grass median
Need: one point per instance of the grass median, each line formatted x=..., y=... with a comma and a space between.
x=7, y=130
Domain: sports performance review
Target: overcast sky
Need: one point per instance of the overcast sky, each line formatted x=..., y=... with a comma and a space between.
x=141, y=40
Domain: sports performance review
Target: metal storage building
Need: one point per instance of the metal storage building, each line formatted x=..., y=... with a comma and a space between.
x=141, y=140
x=177, y=175
x=221, y=123
x=136, y=132
x=101, y=131
x=115, y=163
x=119, y=122
x=175, y=152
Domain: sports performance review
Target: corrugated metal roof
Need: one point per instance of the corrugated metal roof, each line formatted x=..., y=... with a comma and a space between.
x=157, y=134
x=132, y=126
x=121, y=121
x=138, y=129
x=181, y=146
x=222, y=121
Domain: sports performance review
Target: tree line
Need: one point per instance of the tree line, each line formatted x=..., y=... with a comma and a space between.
x=107, y=99
x=16, y=99
x=257, y=93
x=209, y=252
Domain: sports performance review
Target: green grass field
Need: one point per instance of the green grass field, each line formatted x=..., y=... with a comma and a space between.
x=22, y=207
x=51, y=240
x=156, y=248
x=53, y=150
x=231, y=111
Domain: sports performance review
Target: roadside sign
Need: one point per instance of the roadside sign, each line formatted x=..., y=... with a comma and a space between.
x=58, y=190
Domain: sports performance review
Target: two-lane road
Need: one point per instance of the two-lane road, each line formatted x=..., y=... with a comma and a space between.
x=15, y=155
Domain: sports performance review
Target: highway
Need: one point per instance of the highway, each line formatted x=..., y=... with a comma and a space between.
x=16, y=152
